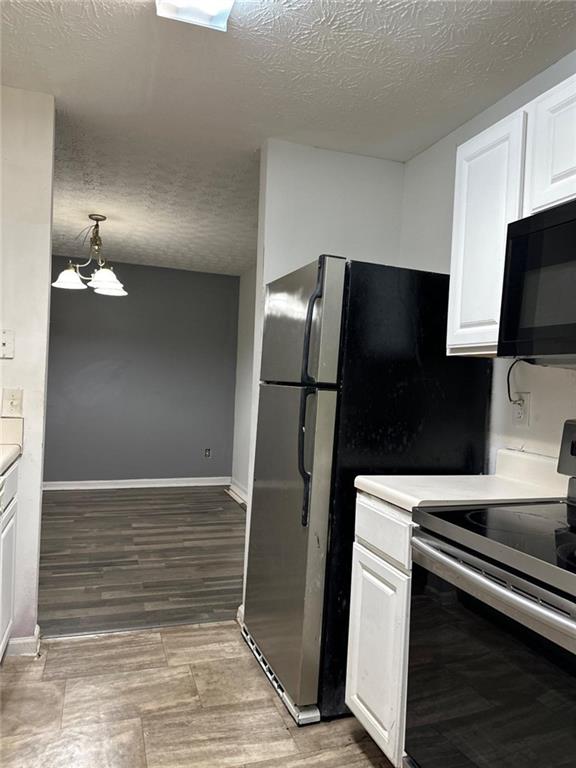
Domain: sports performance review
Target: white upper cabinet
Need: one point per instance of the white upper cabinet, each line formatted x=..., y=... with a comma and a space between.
x=551, y=148
x=488, y=195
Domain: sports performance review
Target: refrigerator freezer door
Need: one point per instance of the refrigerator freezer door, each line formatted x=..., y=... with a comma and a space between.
x=302, y=320
x=287, y=549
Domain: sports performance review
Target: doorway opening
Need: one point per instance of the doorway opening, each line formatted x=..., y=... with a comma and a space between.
x=146, y=427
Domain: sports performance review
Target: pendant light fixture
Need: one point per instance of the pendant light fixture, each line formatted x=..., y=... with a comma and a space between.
x=103, y=280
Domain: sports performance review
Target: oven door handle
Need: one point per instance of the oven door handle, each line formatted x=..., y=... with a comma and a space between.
x=547, y=622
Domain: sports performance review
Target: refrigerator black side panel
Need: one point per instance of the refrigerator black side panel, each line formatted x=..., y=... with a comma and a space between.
x=405, y=408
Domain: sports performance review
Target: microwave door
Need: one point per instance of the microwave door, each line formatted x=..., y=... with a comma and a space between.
x=538, y=317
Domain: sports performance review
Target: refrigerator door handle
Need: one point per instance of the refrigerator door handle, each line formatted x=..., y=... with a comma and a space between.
x=316, y=294
x=304, y=474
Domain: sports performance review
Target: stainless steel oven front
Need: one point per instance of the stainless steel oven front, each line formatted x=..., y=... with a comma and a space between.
x=492, y=665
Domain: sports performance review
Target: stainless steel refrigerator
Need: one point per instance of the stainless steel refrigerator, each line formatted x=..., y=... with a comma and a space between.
x=354, y=380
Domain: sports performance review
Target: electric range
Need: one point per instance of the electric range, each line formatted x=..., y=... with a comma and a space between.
x=492, y=647
x=534, y=539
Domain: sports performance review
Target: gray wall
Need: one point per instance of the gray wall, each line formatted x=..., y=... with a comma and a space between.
x=139, y=385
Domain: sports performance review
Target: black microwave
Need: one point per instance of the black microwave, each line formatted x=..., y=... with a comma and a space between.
x=538, y=313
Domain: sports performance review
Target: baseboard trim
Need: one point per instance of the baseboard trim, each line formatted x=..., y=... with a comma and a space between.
x=24, y=646
x=162, y=482
x=238, y=493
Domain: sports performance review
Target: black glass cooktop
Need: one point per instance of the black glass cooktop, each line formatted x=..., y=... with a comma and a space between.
x=540, y=530
x=539, y=539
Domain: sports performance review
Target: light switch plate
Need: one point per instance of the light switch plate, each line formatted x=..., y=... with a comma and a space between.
x=12, y=402
x=6, y=344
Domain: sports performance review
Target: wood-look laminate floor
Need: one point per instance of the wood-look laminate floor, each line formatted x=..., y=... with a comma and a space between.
x=179, y=697
x=129, y=559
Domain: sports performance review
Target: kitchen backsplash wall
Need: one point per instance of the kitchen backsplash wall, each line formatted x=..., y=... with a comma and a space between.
x=552, y=400
x=139, y=386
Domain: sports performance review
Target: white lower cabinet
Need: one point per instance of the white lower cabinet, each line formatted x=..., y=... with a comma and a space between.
x=377, y=650
x=7, y=572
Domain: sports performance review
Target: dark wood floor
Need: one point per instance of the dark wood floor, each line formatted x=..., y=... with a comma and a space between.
x=128, y=559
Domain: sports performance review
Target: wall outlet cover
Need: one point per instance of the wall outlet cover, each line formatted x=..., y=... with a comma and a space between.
x=521, y=409
x=12, y=401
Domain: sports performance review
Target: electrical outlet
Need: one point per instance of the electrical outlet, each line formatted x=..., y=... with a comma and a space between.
x=521, y=409
x=207, y=453
x=6, y=344
x=12, y=403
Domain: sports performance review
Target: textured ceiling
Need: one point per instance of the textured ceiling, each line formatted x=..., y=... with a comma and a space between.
x=159, y=122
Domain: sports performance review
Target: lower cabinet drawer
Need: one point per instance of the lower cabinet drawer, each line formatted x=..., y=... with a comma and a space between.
x=384, y=528
x=378, y=650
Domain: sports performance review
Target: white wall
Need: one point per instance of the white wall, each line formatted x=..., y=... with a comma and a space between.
x=425, y=242
x=256, y=352
x=243, y=396
x=320, y=201
x=27, y=159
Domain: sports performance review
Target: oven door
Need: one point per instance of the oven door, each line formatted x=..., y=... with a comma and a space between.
x=538, y=314
x=492, y=671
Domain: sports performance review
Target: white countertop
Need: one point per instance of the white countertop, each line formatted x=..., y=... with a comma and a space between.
x=519, y=477
x=8, y=455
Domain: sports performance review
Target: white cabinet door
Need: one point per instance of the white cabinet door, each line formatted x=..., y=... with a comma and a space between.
x=551, y=148
x=7, y=573
x=488, y=195
x=378, y=650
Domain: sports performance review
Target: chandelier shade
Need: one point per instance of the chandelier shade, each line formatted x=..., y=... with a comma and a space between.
x=109, y=291
x=104, y=277
x=69, y=279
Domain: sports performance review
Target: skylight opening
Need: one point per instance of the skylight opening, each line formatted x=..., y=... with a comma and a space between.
x=205, y=13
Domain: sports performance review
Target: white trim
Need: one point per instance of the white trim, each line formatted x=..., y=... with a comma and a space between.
x=238, y=493
x=24, y=646
x=162, y=482
x=240, y=614
x=239, y=487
